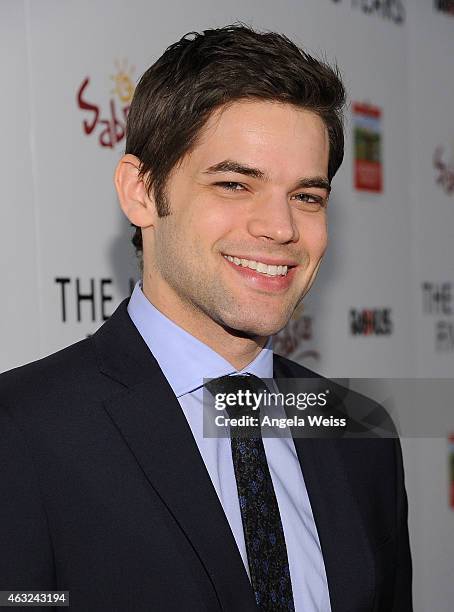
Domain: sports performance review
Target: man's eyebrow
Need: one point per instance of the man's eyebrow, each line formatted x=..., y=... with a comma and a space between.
x=229, y=165
x=320, y=182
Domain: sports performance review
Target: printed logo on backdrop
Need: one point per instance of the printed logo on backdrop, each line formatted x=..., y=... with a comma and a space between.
x=371, y=322
x=391, y=10
x=294, y=341
x=106, y=121
x=438, y=305
x=367, y=148
x=86, y=300
x=451, y=469
x=443, y=162
x=445, y=6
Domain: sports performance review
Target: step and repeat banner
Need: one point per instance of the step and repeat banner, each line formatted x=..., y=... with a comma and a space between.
x=383, y=304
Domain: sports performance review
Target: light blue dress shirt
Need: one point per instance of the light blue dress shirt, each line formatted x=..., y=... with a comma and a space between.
x=185, y=362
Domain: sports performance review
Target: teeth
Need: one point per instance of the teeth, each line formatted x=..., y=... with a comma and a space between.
x=259, y=266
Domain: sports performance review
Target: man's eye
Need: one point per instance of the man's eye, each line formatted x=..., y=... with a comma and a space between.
x=307, y=198
x=231, y=186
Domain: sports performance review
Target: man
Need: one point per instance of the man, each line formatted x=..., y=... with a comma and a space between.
x=110, y=489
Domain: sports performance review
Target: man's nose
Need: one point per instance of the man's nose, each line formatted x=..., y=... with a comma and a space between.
x=272, y=218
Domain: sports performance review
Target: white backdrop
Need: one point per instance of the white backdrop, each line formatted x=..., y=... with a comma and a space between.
x=69, y=67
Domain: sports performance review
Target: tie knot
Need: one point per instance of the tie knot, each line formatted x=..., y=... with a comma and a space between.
x=244, y=391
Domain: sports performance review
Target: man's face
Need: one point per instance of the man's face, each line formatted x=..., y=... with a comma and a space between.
x=247, y=228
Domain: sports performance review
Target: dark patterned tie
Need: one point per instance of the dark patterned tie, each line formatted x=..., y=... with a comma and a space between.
x=263, y=533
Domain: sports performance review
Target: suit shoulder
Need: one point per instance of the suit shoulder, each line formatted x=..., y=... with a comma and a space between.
x=367, y=418
x=51, y=376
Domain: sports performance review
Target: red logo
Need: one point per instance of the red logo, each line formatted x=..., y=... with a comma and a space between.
x=367, y=137
x=109, y=125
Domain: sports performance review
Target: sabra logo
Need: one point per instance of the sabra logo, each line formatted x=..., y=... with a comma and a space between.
x=108, y=124
x=444, y=165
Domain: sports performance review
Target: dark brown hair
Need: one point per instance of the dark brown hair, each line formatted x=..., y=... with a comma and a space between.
x=204, y=71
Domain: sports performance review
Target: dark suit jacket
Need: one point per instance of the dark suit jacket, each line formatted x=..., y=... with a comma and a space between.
x=104, y=493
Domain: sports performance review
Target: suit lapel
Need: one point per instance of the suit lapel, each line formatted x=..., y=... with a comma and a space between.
x=154, y=427
x=346, y=553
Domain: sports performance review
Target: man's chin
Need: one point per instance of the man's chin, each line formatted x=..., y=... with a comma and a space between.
x=254, y=328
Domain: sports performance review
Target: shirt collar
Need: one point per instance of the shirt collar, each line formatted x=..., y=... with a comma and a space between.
x=185, y=360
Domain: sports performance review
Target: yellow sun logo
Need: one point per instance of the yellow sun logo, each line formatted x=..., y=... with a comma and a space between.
x=123, y=79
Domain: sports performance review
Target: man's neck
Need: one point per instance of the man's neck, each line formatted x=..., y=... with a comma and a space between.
x=239, y=350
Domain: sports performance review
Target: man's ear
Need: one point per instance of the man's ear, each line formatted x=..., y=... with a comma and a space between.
x=135, y=202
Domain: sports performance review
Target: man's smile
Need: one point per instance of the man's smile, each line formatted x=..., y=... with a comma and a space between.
x=269, y=277
x=264, y=265
x=259, y=266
